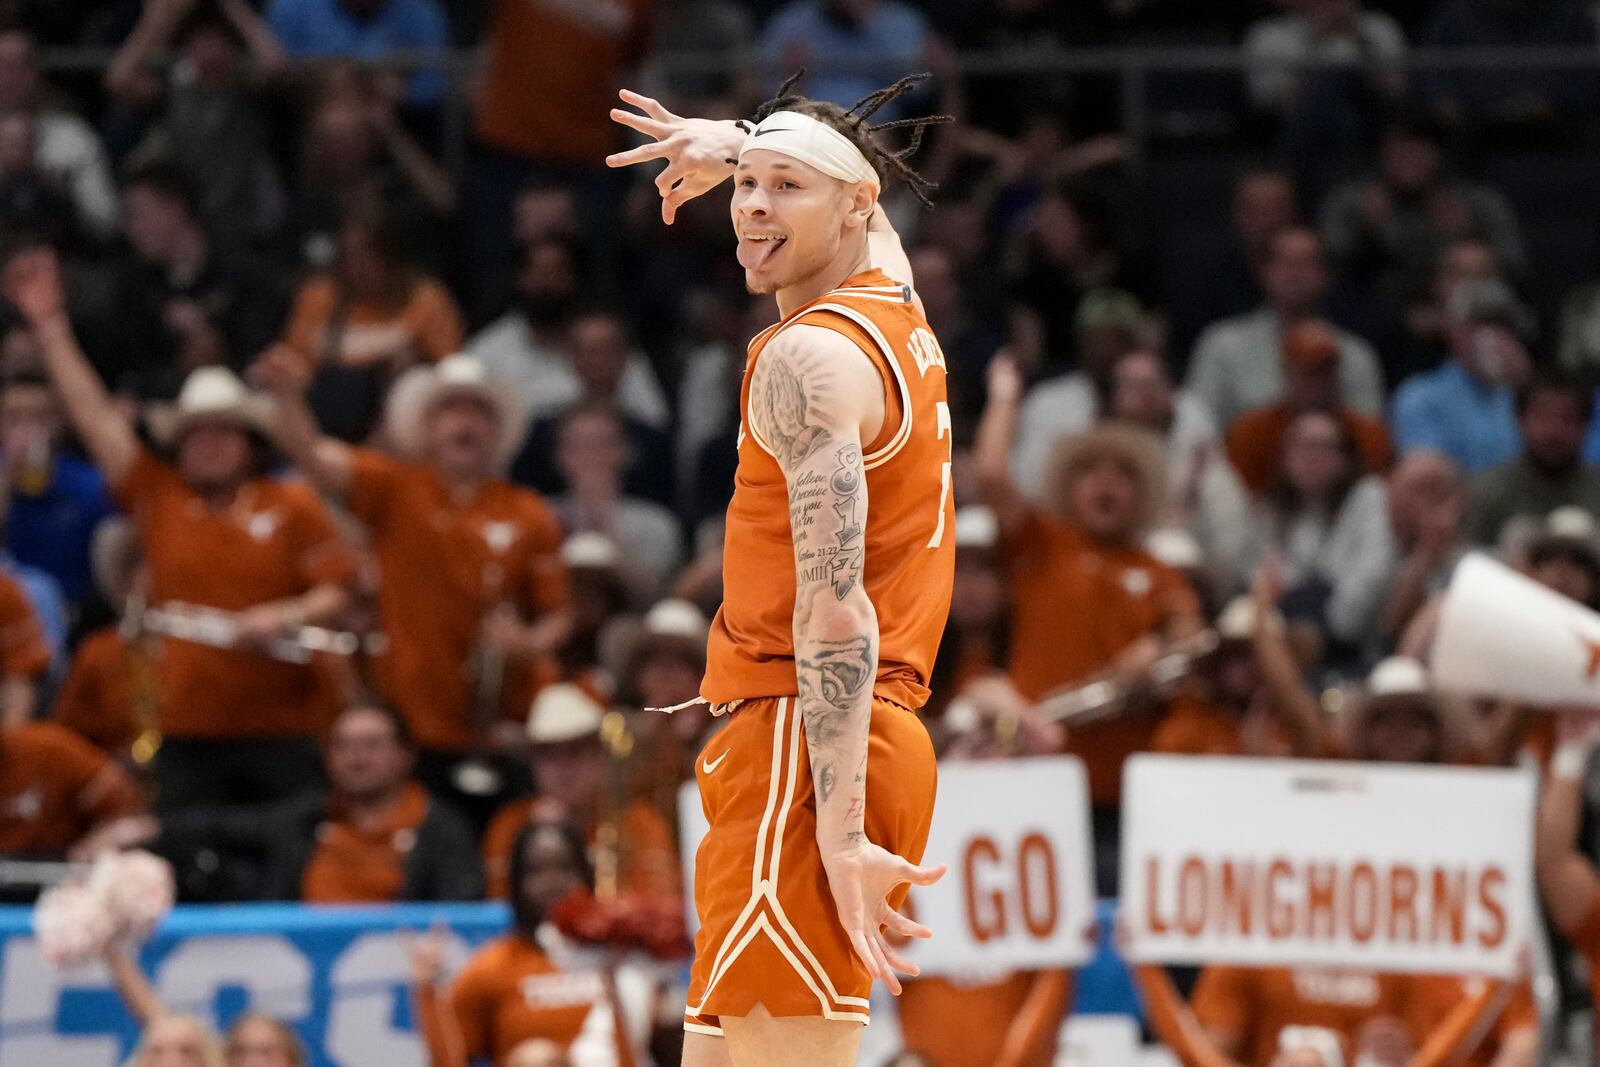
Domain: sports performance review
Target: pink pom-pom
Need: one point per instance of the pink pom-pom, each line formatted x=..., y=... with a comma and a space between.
x=73, y=925
x=137, y=889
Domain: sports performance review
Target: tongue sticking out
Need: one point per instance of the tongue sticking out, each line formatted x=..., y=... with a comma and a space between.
x=753, y=255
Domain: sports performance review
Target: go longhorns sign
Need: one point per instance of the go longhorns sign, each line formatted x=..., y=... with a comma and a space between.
x=1281, y=862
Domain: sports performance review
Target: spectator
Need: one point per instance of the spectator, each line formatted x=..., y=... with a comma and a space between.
x=1016, y=1019
x=1569, y=883
x=713, y=374
x=31, y=199
x=1394, y=225
x=1203, y=493
x=220, y=537
x=1328, y=523
x=849, y=48
x=597, y=368
x=528, y=345
x=358, y=159
x=374, y=835
x=553, y=71
x=702, y=57
x=1238, y=362
x=56, y=501
x=1553, y=415
x=253, y=1039
x=368, y=30
x=1514, y=97
x=364, y=323
x=68, y=149
x=479, y=573
x=59, y=796
x=534, y=983
x=1324, y=69
x=1311, y=383
x=592, y=454
x=176, y=301
x=1427, y=503
x=1065, y=251
x=109, y=697
x=1220, y=282
x=1466, y=408
x=1086, y=598
x=25, y=654
x=581, y=778
x=1422, y=343
x=211, y=124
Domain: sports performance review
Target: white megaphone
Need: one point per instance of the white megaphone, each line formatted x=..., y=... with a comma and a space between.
x=1502, y=634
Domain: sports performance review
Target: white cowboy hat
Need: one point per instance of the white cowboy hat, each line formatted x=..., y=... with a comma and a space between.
x=210, y=394
x=422, y=389
x=563, y=712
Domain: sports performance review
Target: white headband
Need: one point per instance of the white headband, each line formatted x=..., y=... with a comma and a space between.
x=816, y=143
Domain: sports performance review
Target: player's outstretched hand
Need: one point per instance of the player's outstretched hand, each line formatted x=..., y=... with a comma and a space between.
x=861, y=880
x=699, y=152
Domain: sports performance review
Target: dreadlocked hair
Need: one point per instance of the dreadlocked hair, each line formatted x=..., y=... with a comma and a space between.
x=852, y=122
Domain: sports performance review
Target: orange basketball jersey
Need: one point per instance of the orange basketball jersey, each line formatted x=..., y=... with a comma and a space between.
x=910, y=535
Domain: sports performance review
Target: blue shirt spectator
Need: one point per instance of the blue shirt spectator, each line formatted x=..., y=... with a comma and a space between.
x=51, y=529
x=851, y=48
x=365, y=29
x=1466, y=409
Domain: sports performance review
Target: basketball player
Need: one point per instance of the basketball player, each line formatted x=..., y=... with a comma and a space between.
x=820, y=789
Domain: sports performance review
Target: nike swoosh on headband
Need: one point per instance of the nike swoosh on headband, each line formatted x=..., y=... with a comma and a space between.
x=774, y=129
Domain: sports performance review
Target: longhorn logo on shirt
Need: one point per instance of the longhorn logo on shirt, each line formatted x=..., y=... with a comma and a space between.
x=263, y=524
x=1327, y=985
x=573, y=990
x=26, y=805
x=499, y=535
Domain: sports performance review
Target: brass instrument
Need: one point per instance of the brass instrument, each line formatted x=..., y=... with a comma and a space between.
x=476, y=775
x=610, y=843
x=216, y=628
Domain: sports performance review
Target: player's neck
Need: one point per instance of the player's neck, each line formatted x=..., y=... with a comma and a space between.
x=851, y=260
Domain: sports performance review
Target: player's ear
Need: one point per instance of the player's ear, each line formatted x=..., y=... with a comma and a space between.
x=863, y=201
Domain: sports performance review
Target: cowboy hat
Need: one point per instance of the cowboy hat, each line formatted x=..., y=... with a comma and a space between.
x=563, y=712
x=420, y=391
x=1139, y=449
x=210, y=394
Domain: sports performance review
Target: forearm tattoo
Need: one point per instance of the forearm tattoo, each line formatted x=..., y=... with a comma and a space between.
x=790, y=410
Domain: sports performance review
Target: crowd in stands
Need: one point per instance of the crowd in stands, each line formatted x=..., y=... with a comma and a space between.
x=359, y=498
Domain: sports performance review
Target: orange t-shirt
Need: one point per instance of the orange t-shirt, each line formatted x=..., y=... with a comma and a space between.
x=23, y=652
x=1255, y=443
x=1076, y=604
x=1433, y=997
x=55, y=787
x=552, y=77
x=511, y=992
x=443, y=565
x=275, y=540
x=648, y=862
x=364, y=865
x=909, y=536
x=428, y=324
x=97, y=699
x=961, y=1024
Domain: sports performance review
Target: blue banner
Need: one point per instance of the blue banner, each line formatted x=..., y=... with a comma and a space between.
x=339, y=976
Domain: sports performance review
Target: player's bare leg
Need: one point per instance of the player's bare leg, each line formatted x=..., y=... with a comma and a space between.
x=759, y=1040
x=703, y=1050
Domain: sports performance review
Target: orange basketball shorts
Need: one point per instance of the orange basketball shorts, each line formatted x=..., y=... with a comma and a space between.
x=769, y=933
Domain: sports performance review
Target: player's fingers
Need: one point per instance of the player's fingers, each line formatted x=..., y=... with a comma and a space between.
x=900, y=924
x=649, y=105
x=672, y=202
x=858, y=941
x=642, y=154
x=896, y=961
x=645, y=125
x=669, y=178
x=910, y=872
x=886, y=973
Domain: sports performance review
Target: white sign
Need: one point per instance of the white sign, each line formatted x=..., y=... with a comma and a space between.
x=1308, y=863
x=1019, y=893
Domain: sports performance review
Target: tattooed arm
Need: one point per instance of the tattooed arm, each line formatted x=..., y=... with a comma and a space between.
x=814, y=399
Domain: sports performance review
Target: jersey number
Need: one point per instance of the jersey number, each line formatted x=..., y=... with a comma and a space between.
x=944, y=473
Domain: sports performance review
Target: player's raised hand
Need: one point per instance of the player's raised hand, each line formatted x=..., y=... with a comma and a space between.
x=700, y=153
x=861, y=879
